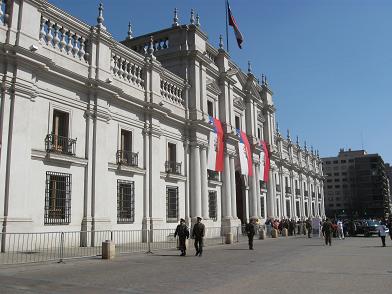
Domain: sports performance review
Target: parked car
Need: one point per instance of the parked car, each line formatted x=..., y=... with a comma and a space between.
x=370, y=227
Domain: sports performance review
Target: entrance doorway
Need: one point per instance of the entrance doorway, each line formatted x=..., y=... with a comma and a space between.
x=240, y=199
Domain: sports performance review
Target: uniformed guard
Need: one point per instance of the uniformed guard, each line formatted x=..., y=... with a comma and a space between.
x=250, y=230
x=182, y=232
x=198, y=234
x=327, y=231
x=309, y=227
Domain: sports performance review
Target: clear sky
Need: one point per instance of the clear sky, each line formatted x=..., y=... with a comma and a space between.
x=328, y=62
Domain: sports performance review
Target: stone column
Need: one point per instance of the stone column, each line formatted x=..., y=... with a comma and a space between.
x=226, y=189
x=257, y=178
x=204, y=182
x=246, y=203
x=195, y=182
x=253, y=193
x=233, y=189
x=270, y=194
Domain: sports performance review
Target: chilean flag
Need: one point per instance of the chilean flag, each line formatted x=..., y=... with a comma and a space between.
x=245, y=154
x=264, y=162
x=233, y=23
x=216, y=146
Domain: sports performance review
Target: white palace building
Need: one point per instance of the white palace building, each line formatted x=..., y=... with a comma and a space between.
x=98, y=134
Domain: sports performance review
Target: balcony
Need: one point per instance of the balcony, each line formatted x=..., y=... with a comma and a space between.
x=212, y=175
x=127, y=158
x=306, y=193
x=58, y=144
x=172, y=167
x=297, y=192
x=278, y=189
x=288, y=190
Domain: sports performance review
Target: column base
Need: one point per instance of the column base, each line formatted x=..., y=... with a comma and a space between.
x=229, y=223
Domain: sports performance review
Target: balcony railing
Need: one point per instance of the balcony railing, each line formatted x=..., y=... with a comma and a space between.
x=213, y=175
x=127, y=158
x=306, y=193
x=297, y=192
x=288, y=190
x=278, y=188
x=58, y=144
x=173, y=167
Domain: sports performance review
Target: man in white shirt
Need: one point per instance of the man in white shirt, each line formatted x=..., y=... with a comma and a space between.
x=340, y=229
x=382, y=232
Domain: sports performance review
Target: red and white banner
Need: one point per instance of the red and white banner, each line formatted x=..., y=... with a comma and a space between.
x=264, y=163
x=216, y=147
x=244, y=154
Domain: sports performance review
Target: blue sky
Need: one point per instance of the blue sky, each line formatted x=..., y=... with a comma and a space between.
x=329, y=63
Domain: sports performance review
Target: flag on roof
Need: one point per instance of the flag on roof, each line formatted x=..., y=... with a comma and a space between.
x=233, y=23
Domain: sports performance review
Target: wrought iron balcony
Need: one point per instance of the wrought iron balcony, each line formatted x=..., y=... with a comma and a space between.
x=278, y=188
x=306, y=193
x=173, y=167
x=297, y=192
x=127, y=158
x=288, y=190
x=213, y=175
x=58, y=144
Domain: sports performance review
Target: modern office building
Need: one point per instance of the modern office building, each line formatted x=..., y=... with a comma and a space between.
x=356, y=185
x=98, y=134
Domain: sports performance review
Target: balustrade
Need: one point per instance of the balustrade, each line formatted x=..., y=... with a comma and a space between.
x=60, y=38
x=171, y=92
x=127, y=70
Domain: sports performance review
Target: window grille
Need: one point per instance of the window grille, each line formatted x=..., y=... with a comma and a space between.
x=212, y=211
x=125, y=202
x=57, y=199
x=262, y=207
x=171, y=204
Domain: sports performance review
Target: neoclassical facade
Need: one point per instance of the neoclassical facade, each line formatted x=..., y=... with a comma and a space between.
x=98, y=134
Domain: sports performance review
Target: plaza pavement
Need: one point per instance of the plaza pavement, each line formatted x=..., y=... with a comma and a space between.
x=284, y=265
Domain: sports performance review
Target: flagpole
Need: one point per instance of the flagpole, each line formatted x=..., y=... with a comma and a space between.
x=227, y=26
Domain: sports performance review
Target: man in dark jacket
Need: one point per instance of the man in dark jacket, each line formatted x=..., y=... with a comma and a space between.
x=327, y=231
x=309, y=227
x=250, y=230
x=183, y=233
x=198, y=234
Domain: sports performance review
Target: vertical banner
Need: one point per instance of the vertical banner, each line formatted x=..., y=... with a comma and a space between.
x=244, y=154
x=216, y=146
x=264, y=163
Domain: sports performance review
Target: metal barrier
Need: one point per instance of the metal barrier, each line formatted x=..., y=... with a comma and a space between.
x=59, y=246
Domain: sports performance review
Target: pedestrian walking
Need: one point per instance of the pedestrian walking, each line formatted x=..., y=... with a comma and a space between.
x=182, y=232
x=250, y=230
x=327, y=231
x=340, y=229
x=382, y=232
x=198, y=234
x=309, y=227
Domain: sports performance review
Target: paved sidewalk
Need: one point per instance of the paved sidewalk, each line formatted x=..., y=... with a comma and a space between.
x=284, y=265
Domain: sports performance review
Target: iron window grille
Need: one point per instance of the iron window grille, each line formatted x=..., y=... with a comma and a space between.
x=262, y=207
x=125, y=202
x=213, y=175
x=57, y=199
x=171, y=204
x=212, y=204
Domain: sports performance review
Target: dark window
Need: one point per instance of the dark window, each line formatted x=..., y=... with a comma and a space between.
x=126, y=140
x=210, y=108
x=60, y=123
x=171, y=152
x=337, y=186
x=212, y=211
x=329, y=186
x=327, y=162
x=125, y=202
x=343, y=161
x=337, y=180
x=57, y=199
x=262, y=208
x=351, y=160
x=258, y=133
x=171, y=204
x=237, y=122
x=336, y=174
x=335, y=161
x=329, y=181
